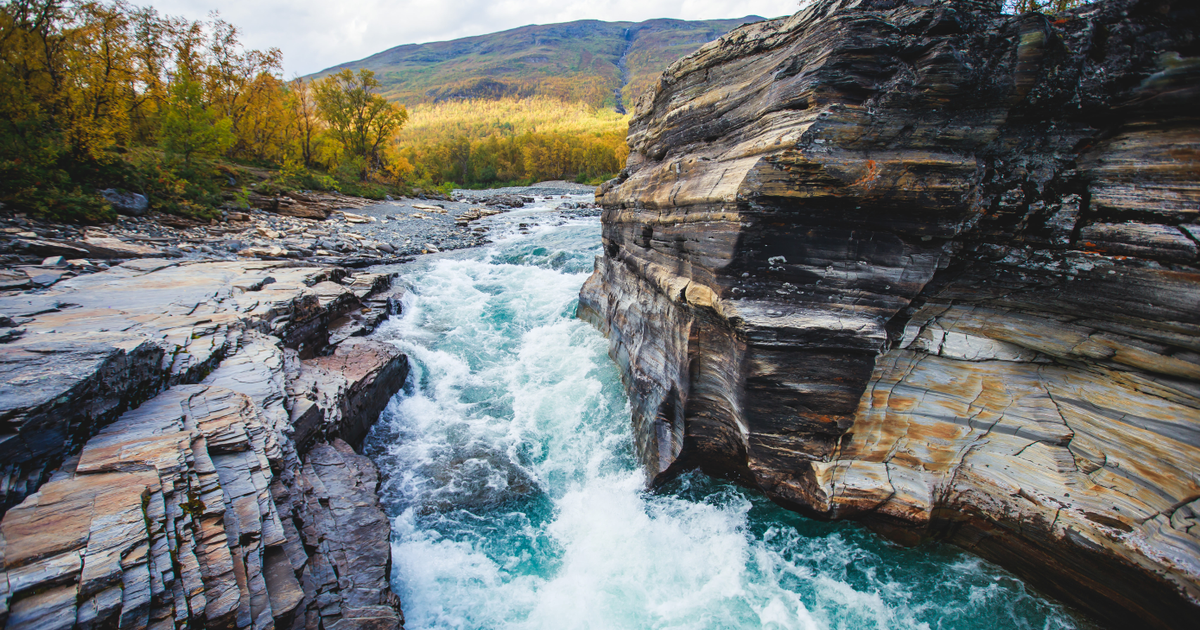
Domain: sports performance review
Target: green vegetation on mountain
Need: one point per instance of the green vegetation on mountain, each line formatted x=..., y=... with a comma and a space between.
x=603, y=64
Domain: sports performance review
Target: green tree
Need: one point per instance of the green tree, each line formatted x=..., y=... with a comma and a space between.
x=189, y=128
x=359, y=119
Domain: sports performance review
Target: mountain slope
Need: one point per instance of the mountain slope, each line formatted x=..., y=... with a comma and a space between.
x=602, y=63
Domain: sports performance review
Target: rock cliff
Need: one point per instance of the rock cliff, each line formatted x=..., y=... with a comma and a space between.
x=175, y=442
x=933, y=267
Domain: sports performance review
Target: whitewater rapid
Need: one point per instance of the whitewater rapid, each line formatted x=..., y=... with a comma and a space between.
x=517, y=503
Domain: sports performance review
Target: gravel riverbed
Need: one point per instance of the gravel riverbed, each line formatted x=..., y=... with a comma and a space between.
x=356, y=232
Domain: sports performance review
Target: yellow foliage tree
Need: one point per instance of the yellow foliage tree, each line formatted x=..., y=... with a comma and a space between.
x=361, y=120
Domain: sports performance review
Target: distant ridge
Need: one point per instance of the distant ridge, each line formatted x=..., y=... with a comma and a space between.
x=606, y=64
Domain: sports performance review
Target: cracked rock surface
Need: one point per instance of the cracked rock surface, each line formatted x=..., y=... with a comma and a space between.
x=934, y=267
x=175, y=449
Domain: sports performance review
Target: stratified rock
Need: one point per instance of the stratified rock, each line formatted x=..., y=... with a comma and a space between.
x=120, y=336
x=933, y=267
x=13, y=279
x=338, y=489
x=310, y=205
x=342, y=394
x=196, y=508
x=47, y=247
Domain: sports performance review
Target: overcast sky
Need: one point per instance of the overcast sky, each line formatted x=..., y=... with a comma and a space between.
x=317, y=34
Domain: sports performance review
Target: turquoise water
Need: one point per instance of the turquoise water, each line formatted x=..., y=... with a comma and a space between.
x=517, y=503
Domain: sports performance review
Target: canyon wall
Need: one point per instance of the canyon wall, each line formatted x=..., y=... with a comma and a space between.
x=176, y=444
x=933, y=267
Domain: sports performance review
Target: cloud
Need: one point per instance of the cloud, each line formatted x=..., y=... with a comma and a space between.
x=317, y=34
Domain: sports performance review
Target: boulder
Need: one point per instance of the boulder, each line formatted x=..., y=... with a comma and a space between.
x=127, y=203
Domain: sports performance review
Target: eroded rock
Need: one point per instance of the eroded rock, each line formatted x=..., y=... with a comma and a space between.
x=193, y=505
x=933, y=267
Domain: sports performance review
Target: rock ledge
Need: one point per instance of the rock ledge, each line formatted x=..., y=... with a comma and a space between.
x=177, y=449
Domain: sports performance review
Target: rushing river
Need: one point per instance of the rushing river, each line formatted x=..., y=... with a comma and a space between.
x=517, y=503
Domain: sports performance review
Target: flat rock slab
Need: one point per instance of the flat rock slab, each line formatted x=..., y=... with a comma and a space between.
x=97, y=344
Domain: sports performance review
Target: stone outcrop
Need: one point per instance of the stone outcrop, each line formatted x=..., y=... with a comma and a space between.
x=154, y=463
x=933, y=267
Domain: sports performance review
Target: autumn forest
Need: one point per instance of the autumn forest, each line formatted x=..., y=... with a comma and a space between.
x=105, y=94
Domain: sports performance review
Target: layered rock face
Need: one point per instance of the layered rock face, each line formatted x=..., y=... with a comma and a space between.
x=176, y=449
x=934, y=267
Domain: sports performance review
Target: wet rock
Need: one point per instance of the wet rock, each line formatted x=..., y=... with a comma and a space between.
x=951, y=292
x=338, y=489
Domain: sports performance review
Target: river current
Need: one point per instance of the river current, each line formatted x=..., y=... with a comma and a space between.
x=516, y=501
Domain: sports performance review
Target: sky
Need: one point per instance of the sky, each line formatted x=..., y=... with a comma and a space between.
x=317, y=34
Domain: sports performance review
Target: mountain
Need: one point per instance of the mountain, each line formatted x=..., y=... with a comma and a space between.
x=606, y=64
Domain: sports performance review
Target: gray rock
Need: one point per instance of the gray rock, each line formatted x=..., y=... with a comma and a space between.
x=14, y=279
x=49, y=248
x=43, y=279
x=127, y=203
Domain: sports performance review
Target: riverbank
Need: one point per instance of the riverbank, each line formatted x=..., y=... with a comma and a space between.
x=180, y=419
x=316, y=228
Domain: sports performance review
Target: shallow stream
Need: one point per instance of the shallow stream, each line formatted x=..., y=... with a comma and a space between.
x=517, y=503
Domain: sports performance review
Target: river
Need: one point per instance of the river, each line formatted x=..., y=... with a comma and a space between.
x=516, y=501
